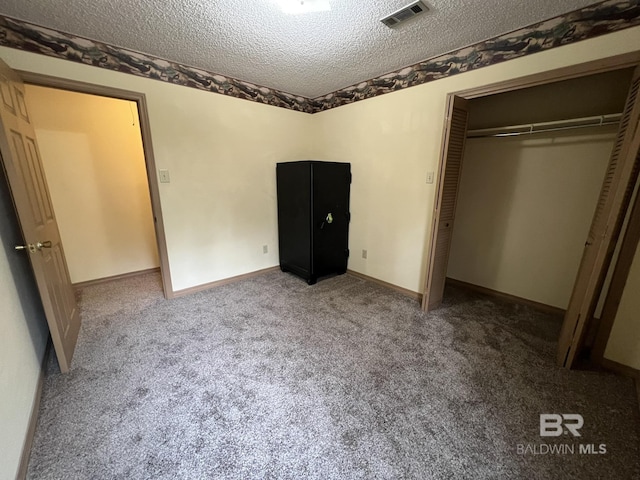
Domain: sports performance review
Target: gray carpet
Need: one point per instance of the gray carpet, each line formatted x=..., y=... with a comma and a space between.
x=272, y=378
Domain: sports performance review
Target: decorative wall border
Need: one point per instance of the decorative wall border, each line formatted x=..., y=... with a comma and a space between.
x=602, y=18
x=34, y=38
x=606, y=17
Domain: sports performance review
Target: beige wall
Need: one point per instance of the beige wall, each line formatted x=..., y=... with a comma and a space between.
x=92, y=153
x=23, y=335
x=524, y=210
x=624, y=342
x=220, y=208
x=20, y=360
x=216, y=228
x=394, y=140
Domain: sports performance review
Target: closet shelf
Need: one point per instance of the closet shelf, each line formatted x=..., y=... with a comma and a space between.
x=542, y=127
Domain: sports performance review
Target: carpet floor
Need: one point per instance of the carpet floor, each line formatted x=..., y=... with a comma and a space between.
x=272, y=378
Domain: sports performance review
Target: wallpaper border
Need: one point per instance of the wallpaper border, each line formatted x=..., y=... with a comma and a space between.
x=602, y=18
x=29, y=37
x=599, y=19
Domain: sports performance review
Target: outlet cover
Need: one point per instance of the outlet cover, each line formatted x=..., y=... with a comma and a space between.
x=364, y=254
x=265, y=249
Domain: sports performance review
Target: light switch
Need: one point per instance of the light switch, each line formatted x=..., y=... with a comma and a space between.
x=429, y=177
x=164, y=176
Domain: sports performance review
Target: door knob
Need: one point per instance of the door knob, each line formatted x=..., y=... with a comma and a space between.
x=33, y=248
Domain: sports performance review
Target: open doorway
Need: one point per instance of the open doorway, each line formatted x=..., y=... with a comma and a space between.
x=41, y=239
x=93, y=157
x=136, y=119
x=610, y=203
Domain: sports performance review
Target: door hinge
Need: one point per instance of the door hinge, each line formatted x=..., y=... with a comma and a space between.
x=348, y=216
x=350, y=177
x=347, y=252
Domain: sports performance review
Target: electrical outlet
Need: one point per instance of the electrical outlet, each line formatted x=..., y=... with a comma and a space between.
x=364, y=254
x=265, y=249
x=164, y=176
x=429, y=177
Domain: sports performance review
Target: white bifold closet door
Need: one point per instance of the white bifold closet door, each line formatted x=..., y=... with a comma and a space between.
x=613, y=203
x=445, y=201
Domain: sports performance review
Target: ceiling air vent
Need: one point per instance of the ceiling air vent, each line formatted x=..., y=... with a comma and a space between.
x=404, y=14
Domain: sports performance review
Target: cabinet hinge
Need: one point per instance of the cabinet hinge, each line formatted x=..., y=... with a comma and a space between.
x=347, y=252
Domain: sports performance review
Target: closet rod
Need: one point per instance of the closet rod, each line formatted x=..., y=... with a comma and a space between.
x=541, y=127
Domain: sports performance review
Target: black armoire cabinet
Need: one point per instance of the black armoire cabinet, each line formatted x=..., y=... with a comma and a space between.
x=313, y=217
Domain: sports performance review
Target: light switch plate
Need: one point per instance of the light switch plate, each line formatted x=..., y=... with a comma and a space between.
x=429, y=177
x=164, y=176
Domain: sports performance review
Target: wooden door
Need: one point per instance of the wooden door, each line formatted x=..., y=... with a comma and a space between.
x=21, y=161
x=445, y=201
x=613, y=203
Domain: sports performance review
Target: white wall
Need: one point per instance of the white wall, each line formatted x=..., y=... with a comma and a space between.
x=524, y=210
x=23, y=336
x=624, y=343
x=93, y=158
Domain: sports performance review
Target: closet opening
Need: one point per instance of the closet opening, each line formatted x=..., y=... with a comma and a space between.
x=534, y=195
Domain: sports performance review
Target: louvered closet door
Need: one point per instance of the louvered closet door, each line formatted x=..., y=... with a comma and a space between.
x=615, y=196
x=445, y=202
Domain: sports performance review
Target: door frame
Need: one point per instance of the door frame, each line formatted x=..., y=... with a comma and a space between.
x=617, y=62
x=139, y=98
x=622, y=267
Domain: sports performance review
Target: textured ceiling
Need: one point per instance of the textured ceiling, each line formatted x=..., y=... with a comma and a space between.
x=309, y=54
